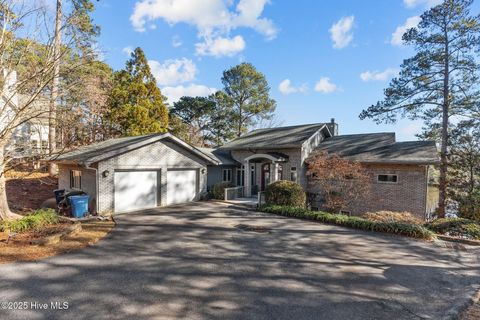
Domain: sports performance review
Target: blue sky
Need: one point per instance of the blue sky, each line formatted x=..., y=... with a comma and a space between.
x=322, y=59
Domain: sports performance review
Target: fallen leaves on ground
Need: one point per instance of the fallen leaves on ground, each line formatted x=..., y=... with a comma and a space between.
x=20, y=248
x=26, y=191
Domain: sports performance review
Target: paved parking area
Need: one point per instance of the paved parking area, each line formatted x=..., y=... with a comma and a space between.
x=192, y=261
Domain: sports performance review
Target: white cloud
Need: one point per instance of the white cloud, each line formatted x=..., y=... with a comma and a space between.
x=324, y=85
x=426, y=3
x=285, y=87
x=341, y=32
x=173, y=71
x=174, y=94
x=127, y=50
x=176, y=41
x=411, y=22
x=220, y=46
x=212, y=18
x=378, y=75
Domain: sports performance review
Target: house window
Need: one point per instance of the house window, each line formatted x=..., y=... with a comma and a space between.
x=227, y=175
x=76, y=179
x=241, y=176
x=44, y=144
x=293, y=174
x=387, y=178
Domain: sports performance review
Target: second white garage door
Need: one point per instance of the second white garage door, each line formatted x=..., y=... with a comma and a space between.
x=181, y=186
x=135, y=190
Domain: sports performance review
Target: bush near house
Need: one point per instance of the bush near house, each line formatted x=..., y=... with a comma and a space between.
x=405, y=229
x=37, y=220
x=285, y=193
x=456, y=227
x=219, y=190
x=392, y=216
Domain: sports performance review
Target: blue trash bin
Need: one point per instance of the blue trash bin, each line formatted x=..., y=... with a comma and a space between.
x=79, y=205
x=59, y=193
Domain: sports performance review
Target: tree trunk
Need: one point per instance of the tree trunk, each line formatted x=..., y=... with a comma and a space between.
x=52, y=123
x=5, y=212
x=444, y=148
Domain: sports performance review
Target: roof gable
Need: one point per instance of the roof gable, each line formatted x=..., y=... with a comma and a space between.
x=110, y=148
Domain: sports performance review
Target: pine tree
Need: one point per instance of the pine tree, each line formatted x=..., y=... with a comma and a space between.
x=136, y=104
x=441, y=80
x=246, y=93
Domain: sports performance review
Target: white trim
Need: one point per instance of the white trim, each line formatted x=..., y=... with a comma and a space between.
x=264, y=156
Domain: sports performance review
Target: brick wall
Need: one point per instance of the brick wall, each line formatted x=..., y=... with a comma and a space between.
x=408, y=194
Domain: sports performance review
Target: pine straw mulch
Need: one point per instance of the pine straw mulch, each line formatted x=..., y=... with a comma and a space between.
x=26, y=191
x=473, y=312
x=20, y=249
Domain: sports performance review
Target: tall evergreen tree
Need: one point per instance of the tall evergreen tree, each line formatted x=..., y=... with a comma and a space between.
x=207, y=123
x=246, y=93
x=136, y=104
x=441, y=80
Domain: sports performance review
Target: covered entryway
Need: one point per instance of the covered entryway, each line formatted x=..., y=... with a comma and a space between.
x=135, y=190
x=271, y=170
x=181, y=186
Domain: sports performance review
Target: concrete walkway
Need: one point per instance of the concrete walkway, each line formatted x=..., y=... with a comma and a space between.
x=196, y=262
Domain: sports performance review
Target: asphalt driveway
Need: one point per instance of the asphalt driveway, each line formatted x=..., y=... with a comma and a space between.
x=194, y=262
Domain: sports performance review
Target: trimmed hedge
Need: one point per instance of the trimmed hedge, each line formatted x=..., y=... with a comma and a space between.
x=456, y=227
x=405, y=229
x=285, y=193
x=37, y=220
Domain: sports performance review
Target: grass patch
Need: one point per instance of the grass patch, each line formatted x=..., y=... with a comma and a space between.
x=400, y=228
x=37, y=220
x=456, y=227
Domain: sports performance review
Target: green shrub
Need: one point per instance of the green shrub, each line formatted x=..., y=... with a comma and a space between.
x=405, y=229
x=219, y=190
x=456, y=227
x=285, y=193
x=34, y=221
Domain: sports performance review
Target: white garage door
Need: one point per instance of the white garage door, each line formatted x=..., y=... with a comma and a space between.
x=135, y=190
x=181, y=186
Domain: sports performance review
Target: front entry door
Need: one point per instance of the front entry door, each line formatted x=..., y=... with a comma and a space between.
x=265, y=176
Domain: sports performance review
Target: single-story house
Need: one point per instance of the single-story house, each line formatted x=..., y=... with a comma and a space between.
x=133, y=173
x=156, y=170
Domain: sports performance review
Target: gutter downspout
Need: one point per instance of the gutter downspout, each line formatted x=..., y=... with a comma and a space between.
x=87, y=166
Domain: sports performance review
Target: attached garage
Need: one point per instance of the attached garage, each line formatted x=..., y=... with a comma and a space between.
x=181, y=186
x=137, y=173
x=135, y=190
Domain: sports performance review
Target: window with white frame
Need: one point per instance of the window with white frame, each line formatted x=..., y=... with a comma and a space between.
x=293, y=174
x=76, y=179
x=227, y=175
x=241, y=176
x=387, y=178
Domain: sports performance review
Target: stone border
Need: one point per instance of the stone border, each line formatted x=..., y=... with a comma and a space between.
x=53, y=239
x=459, y=240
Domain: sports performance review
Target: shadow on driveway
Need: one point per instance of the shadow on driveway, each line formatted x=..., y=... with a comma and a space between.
x=192, y=262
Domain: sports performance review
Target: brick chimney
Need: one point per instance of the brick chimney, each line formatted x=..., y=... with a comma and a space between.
x=333, y=127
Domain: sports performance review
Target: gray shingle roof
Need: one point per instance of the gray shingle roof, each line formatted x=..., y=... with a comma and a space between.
x=282, y=137
x=380, y=148
x=106, y=149
x=222, y=156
